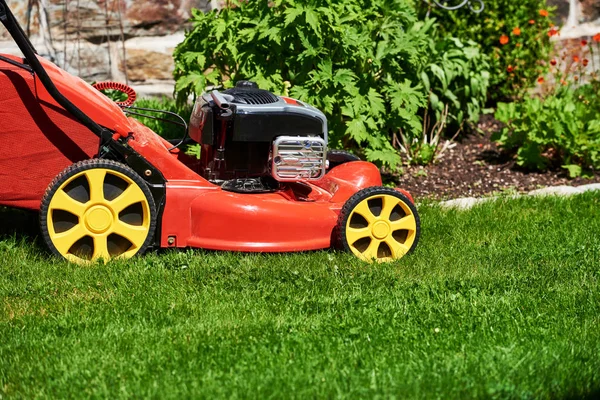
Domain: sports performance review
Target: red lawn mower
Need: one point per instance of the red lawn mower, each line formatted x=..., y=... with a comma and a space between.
x=107, y=186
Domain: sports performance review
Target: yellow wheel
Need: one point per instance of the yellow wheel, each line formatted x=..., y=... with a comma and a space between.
x=379, y=224
x=97, y=209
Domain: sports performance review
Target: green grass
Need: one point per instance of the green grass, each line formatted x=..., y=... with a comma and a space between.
x=499, y=302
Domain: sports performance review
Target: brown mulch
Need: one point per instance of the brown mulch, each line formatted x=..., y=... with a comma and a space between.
x=476, y=167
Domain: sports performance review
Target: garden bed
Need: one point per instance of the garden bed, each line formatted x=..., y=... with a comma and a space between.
x=475, y=166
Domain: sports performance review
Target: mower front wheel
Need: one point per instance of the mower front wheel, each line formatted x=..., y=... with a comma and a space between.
x=97, y=209
x=379, y=224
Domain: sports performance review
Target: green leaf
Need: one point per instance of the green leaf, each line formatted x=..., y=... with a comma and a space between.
x=313, y=20
x=574, y=170
x=357, y=130
x=377, y=104
x=291, y=14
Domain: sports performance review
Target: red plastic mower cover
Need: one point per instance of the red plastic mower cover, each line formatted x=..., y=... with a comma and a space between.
x=38, y=139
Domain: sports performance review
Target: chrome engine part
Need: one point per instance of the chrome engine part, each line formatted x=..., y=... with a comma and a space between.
x=297, y=158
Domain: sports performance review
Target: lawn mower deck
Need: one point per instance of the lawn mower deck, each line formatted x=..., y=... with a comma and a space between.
x=107, y=186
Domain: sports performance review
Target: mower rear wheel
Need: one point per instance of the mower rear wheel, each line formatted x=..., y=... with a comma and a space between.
x=97, y=209
x=379, y=224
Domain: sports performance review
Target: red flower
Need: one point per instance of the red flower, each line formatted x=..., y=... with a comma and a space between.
x=553, y=62
x=584, y=42
x=516, y=31
x=531, y=21
x=540, y=80
x=597, y=37
x=576, y=59
x=504, y=40
x=585, y=62
x=543, y=13
x=510, y=69
x=552, y=32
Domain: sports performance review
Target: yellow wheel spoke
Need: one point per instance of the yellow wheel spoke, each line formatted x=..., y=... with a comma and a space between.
x=363, y=209
x=135, y=234
x=65, y=240
x=132, y=195
x=353, y=234
x=398, y=249
x=389, y=202
x=101, y=248
x=95, y=179
x=62, y=201
x=408, y=222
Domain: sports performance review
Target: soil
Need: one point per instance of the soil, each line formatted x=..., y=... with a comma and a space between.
x=476, y=167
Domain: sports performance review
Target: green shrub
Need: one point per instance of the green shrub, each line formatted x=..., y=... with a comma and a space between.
x=516, y=64
x=457, y=75
x=369, y=65
x=564, y=127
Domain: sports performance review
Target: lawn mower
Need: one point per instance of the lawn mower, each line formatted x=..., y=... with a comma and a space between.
x=107, y=186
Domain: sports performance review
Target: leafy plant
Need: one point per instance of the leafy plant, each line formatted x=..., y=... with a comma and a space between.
x=563, y=127
x=366, y=64
x=515, y=34
x=457, y=80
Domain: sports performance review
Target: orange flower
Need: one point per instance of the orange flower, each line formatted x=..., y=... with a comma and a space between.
x=540, y=80
x=517, y=31
x=553, y=62
x=503, y=40
x=576, y=59
x=584, y=42
x=576, y=78
x=531, y=21
x=585, y=62
x=597, y=37
x=552, y=32
x=543, y=13
x=510, y=69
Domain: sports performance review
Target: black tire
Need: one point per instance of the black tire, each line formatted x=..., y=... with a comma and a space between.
x=339, y=157
x=60, y=215
x=399, y=242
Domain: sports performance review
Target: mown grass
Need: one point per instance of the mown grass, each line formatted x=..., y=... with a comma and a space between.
x=499, y=302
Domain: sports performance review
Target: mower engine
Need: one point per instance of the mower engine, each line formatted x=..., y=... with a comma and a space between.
x=252, y=140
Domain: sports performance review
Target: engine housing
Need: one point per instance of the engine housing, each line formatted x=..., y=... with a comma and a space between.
x=249, y=133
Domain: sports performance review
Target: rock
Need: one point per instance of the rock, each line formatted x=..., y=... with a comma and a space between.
x=590, y=187
x=162, y=89
x=464, y=203
x=88, y=36
x=143, y=65
x=556, y=191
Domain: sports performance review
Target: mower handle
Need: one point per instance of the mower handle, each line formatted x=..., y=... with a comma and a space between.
x=220, y=100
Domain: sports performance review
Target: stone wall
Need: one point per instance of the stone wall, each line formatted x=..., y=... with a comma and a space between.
x=578, y=18
x=123, y=40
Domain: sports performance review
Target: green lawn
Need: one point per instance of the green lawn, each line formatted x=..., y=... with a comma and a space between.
x=502, y=301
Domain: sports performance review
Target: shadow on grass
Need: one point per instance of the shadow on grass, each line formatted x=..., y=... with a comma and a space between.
x=20, y=224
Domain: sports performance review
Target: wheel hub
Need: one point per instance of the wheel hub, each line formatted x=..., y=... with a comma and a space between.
x=381, y=230
x=98, y=219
